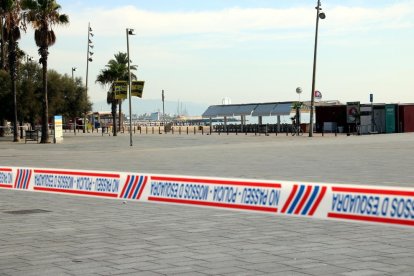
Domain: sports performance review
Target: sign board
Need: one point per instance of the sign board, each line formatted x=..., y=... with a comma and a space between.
x=136, y=88
x=58, y=138
x=352, y=112
x=318, y=95
x=120, y=89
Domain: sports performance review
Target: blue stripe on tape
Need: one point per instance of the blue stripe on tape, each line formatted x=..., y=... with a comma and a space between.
x=311, y=200
x=295, y=201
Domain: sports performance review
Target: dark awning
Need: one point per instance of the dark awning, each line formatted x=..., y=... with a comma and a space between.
x=264, y=109
x=260, y=109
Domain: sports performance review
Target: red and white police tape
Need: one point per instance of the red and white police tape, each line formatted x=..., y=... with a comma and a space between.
x=362, y=203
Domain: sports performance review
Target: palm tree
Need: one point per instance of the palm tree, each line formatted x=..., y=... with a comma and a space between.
x=11, y=12
x=116, y=70
x=43, y=14
x=119, y=65
x=107, y=77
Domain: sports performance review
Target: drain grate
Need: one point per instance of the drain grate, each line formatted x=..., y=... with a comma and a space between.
x=26, y=212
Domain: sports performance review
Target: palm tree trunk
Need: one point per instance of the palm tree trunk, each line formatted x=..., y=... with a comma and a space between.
x=21, y=129
x=45, y=114
x=120, y=115
x=15, y=122
x=2, y=57
x=113, y=110
x=13, y=75
x=2, y=124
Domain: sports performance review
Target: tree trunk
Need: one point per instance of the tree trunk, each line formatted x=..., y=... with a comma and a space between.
x=13, y=75
x=21, y=129
x=2, y=57
x=32, y=122
x=113, y=110
x=45, y=113
x=2, y=125
x=15, y=122
x=120, y=115
x=74, y=125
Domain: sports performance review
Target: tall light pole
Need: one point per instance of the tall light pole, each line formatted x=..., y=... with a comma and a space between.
x=88, y=59
x=128, y=33
x=320, y=15
x=73, y=70
x=298, y=107
x=163, y=109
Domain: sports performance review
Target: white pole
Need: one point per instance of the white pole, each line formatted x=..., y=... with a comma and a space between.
x=129, y=90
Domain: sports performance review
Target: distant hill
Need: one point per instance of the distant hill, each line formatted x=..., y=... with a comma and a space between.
x=140, y=106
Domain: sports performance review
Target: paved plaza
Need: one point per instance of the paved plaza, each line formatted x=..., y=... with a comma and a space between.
x=93, y=236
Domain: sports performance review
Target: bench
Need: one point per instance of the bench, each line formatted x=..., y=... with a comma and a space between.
x=31, y=135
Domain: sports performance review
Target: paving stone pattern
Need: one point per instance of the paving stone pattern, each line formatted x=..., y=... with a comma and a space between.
x=92, y=236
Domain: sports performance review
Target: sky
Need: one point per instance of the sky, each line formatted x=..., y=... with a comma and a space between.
x=249, y=51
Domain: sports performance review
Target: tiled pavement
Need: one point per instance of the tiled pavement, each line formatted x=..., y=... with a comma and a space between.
x=89, y=236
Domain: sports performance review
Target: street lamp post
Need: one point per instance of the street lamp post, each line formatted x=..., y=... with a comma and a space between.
x=88, y=59
x=73, y=70
x=320, y=15
x=371, y=99
x=163, y=109
x=128, y=33
x=298, y=107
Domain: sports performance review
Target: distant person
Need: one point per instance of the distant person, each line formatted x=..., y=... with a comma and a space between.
x=293, y=120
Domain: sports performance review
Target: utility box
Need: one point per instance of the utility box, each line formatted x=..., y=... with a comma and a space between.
x=390, y=118
x=406, y=117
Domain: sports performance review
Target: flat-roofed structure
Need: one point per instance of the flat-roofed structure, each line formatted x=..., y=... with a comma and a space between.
x=252, y=109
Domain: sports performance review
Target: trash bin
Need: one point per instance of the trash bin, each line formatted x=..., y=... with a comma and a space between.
x=167, y=127
x=305, y=127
